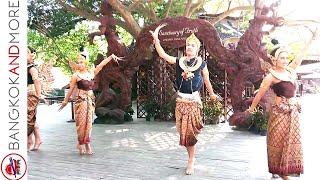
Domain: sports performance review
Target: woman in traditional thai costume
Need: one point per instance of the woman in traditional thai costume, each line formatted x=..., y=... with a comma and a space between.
x=34, y=92
x=82, y=81
x=283, y=136
x=191, y=71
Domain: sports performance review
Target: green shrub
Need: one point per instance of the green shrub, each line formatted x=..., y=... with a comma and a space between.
x=212, y=111
x=259, y=120
x=152, y=108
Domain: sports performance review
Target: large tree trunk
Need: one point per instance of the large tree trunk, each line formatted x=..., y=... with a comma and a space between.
x=243, y=64
x=250, y=52
x=109, y=104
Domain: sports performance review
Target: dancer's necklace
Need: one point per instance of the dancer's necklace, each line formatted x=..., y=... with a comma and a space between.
x=193, y=67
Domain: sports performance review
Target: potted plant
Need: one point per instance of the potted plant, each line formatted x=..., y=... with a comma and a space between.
x=259, y=122
x=212, y=112
x=152, y=108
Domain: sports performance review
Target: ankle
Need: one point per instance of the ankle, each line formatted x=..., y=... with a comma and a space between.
x=82, y=149
x=190, y=167
x=284, y=177
x=192, y=159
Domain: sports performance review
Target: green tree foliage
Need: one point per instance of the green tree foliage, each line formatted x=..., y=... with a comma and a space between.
x=63, y=48
x=161, y=8
x=125, y=37
x=55, y=17
x=52, y=23
x=49, y=18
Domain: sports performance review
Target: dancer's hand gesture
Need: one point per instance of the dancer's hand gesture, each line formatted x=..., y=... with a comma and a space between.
x=63, y=104
x=155, y=33
x=215, y=98
x=116, y=58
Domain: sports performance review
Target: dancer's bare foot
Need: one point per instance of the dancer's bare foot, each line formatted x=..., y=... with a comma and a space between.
x=29, y=146
x=275, y=176
x=284, y=177
x=190, y=166
x=82, y=149
x=36, y=146
x=30, y=142
x=89, y=149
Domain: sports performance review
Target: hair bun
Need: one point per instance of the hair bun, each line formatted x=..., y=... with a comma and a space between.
x=84, y=53
x=32, y=50
x=81, y=49
x=274, y=41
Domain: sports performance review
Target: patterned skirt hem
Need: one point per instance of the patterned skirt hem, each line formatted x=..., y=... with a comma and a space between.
x=286, y=171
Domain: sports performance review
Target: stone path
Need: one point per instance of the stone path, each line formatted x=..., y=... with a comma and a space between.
x=149, y=150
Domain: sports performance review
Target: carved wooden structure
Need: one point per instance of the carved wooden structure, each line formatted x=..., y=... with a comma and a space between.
x=243, y=65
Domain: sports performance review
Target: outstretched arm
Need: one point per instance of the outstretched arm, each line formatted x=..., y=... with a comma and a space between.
x=265, y=85
x=104, y=62
x=298, y=60
x=161, y=52
x=72, y=85
x=206, y=79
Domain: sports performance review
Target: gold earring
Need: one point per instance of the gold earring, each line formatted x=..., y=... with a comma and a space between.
x=273, y=60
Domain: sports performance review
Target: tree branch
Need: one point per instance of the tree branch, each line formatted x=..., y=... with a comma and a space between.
x=135, y=5
x=166, y=14
x=195, y=6
x=127, y=16
x=145, y=9
x=152, y=14
x=227, y=13
x=187, y=8
x=79, y=12
x=293, y=23
x=123, y=24
x=41, y=28
x=299, y=22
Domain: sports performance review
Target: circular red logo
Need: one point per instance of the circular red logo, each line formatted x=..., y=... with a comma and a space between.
x=13, y=166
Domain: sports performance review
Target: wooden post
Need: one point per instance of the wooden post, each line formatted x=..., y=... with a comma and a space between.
x=72, y=110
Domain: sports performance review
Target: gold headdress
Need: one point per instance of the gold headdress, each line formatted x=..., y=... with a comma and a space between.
x=280, y=50
x=193, y=39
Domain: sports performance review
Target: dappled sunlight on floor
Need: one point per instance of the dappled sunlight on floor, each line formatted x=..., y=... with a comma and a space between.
x=162, y=140
x=109, y=131
x=209, y=137
x=153, y=149
x=125, y=142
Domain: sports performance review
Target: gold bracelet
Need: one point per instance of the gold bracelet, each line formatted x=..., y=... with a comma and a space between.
x=215, y=97
x=156, y=41
x=250, y=111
